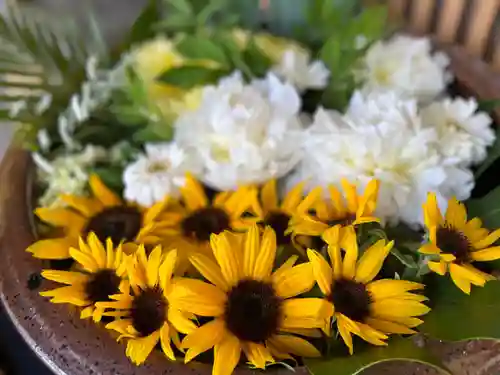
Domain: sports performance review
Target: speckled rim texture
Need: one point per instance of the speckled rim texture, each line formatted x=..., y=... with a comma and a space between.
x=70, y=346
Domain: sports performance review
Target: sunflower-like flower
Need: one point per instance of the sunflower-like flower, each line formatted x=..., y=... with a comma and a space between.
x=189, y=228
x=104, y=214
x=278, y=215
x=345, y=211
x=458, y=243
x=369, y=309
x=147, y=316
x=253, y=309
x=103, y=274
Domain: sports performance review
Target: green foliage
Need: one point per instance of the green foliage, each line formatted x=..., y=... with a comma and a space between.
x=487, y=208
x=202, y=48
x=399, y=349
x=457, y=316
x=144, y=26
x=187, y=77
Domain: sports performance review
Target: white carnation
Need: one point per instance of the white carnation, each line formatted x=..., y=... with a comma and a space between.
x=157, y=173
x=243, y=133
x=297, y=68
x=406, y=65
x=404, y=159
x=464, y=133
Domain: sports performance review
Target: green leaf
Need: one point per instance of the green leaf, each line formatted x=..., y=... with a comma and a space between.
x=188, y=77
x=457, y=316
x=199, y=47
x=256, y=59
x=493, y=155
x=399, y=349
x=488, y=105
x=486, y=208
x=111, y=176
x=143, y=27
x=182, y=6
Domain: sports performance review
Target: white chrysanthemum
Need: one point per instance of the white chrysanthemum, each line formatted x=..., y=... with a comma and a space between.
x=159, y=172
x=67, y=174
x=464, y=133
x=404, y=160
x=243, y=133
x=297, y=68
x=406, y=65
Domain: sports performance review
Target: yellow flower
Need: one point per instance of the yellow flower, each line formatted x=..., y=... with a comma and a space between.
x=104, y=214
x=352, y=210
x=272, y=46
x=457, y=243
x=253, y=308
x=189, y=228
x=277, y=215
x=103, y=274
x=146, y=315
x=369, y=309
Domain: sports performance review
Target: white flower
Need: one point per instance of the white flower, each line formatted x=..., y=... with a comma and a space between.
x=464, y=134
x=157, y=173
x=67, y=174
x=243, y=133
x=296, y=68
x=403, y=159
x=406, y=65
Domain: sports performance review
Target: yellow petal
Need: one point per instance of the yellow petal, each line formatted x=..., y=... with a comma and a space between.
x=295, y=281
x=251, y=250
x=371, y=335
x=486, y=255
x=97, y=249
x=257, y=354
x=209, y=270
x=285, y=266
x=62, y=217
x=203, y=339
x=350, y=245
x=429, y=248
x=295, y=345
x=110, y=254
x=193, y=194
x=337, y=201
x=372, y=260
x=350, y=194
x=227, y=257
x=389, y=327
x=432, y=215
x=139, y=349
x=322, y=271
x=65, y=292
x=156, y=210
x=463, y=277
x=368, y=202
x=65, y=277
x=389, y=307
x=101, y=192
x=180, y=321
x=165, y=342
x=87, y=262
x=387, y=288
x=310, y=200
x=197, y=297
x=410, y=322
x=226, y=355
x=456, y=215
x=266, y=256
x=345, y=332
x=268, y=196
x=153, y=266
x=438, y=267
x=313, y=311
x=88, y=207
x=293, y=198
x=166, y=269
x=119, y=325
x=57, y=248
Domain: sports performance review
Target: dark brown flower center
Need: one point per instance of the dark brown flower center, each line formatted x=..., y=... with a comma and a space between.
x=279, y=222
x=253, y=311
x=351, y=299
x=344, y=221
x=452, y=241
x=101, y=285
x=149, y=311
x=205, y=221
x=121, y=223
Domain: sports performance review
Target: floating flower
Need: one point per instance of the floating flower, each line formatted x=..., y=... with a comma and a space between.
x=243, y=133
x=463, y=133
x=254, y=310
x=404, y=160
x=103, y=213
x=406, y=65
x=457, y=243
x=341, y=210
x=147, y=315
x=188, y=228
x=158, y=173
x=296, y=68
x=102, y=274
x=369, y=309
